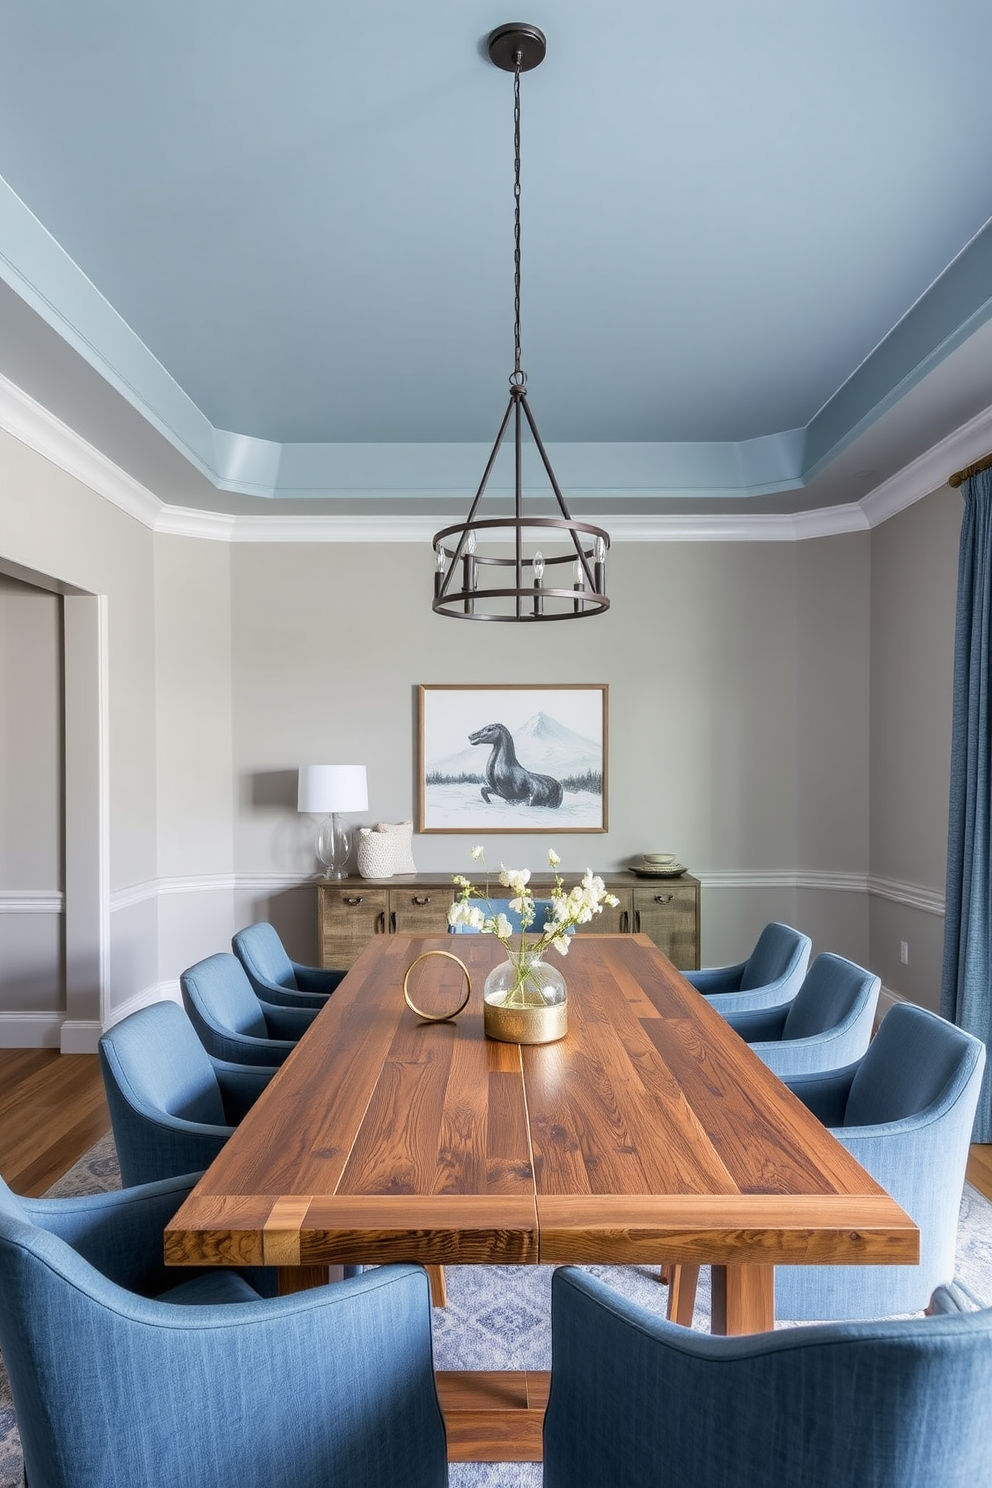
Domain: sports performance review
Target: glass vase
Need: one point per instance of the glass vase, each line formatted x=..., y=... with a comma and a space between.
x=525, y=1000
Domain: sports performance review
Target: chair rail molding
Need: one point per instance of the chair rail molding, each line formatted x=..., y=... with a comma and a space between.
x=32, y=901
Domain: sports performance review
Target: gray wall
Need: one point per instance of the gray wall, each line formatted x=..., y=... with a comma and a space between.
x=726, y=665
x=31, y=806
x=778, y=717
x=914, y=582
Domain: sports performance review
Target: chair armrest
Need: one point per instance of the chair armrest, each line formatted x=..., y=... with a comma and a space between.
x=240, y=1086
x=285, y=1022
x=317, y=978
x=716, y=979
x=760, y=1025
x=954, y=1298
x=825, y=1094
x=119, y=1233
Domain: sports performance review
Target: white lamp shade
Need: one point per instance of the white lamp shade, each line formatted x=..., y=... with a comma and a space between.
x=327, y=788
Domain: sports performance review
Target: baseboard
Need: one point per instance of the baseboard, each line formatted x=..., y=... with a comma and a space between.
x=30, y=1030
x=80, y=1036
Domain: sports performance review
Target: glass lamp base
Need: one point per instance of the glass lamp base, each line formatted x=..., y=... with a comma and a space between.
x=334, y=842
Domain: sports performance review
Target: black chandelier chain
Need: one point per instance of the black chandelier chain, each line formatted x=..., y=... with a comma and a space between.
x=519, y=378
x=473, y=579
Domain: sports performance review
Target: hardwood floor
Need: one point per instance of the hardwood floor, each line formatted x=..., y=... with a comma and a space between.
x=52, y=1110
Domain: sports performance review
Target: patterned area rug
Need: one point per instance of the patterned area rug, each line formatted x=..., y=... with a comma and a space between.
x=498, y=1316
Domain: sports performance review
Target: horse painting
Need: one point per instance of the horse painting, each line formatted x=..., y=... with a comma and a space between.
x=507, y=778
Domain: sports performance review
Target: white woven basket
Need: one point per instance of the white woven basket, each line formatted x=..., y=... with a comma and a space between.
x=375, y=854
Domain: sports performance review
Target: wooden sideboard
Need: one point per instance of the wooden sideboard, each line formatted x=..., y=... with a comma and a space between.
x=351, y=910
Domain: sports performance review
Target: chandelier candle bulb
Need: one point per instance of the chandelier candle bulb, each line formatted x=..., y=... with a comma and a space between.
x=600, y=569
x=538, y=566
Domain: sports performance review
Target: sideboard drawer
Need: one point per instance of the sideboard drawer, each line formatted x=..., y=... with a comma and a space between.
x=421, y=911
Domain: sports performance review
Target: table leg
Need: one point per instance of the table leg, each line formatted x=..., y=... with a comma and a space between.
x=493, y=1415
x=743, y=1299
x=682, y=1283
x=302, y=1278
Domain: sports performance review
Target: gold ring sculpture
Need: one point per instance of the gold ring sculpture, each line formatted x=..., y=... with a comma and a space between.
x=436, y=1017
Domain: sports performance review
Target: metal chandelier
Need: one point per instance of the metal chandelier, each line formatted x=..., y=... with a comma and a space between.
x=471, y=582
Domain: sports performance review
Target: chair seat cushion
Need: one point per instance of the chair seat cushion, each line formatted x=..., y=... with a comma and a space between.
x=218, y=1287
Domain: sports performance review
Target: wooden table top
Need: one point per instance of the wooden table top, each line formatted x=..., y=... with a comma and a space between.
x=649, y=1133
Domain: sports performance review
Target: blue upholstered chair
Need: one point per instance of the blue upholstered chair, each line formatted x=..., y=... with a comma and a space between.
x=906, y=1112
x=770, y=977
x=276, y=979
x=826, y=1025
x=845, y=1405
x=128, y=1375
x=172, y=1105
x=232, y=1023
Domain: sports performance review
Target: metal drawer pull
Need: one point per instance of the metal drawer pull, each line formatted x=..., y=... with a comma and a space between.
x=421, y=898
x=358, y=899
x=663, y=898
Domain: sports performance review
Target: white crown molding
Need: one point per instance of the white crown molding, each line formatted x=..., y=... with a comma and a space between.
x=33, y=425
x=931, y=470
x=41, y=431
x=31, y=901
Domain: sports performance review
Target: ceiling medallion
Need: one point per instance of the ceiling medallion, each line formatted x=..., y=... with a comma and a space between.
x=470, y=581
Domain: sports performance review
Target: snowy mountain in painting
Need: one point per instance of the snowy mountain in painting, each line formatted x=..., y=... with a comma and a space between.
x=542, y=744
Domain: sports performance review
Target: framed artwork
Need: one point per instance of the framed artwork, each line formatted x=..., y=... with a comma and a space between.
x=529, y=758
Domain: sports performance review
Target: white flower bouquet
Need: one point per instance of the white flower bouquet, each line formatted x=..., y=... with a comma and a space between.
x=569, y=907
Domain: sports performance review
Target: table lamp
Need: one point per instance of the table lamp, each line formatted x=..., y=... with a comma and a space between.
x=326, y=790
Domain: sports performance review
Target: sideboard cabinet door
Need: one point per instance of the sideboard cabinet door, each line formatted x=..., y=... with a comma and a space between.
x=348, y=917
x=668, y=912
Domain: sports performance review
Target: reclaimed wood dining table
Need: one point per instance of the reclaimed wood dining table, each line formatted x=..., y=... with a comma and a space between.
x=649, y=1134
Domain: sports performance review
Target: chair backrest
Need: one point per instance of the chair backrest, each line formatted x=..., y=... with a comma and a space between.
x=126, y=1391
x=917, y=1062
x=153, y=1060
x=834, y=992
x=780, y=953
x=848, y=1405
x=542, y=912
x=263, y=956
x=908, y=1122
x=218, y=990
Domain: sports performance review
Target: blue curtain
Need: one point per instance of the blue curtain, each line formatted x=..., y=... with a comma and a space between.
x=966, y=993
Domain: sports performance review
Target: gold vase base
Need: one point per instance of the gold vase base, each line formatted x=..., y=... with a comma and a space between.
x=525, y=1025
